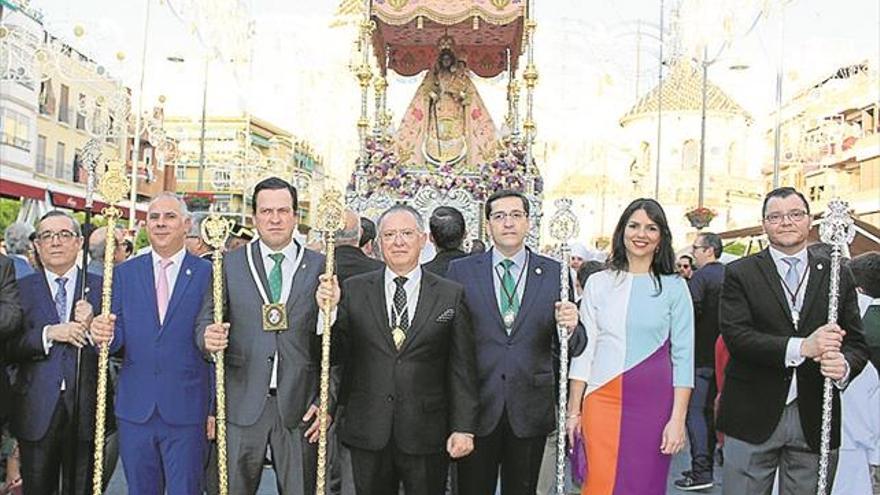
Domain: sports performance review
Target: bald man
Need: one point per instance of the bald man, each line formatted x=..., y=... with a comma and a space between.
x=350, y=260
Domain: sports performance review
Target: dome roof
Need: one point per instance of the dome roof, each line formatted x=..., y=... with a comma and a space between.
x=683, y=92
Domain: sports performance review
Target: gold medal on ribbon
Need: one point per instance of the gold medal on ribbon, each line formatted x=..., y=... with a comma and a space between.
x=274, y=318
x=398, y=336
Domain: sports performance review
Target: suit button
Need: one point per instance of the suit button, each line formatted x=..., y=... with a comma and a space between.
x=271, y=358
x=503, y=377
x=510, y=344
x=390, y=398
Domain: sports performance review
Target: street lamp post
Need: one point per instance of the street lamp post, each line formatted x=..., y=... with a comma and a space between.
x=202, y=136
x=136, y=148
x=705, y=64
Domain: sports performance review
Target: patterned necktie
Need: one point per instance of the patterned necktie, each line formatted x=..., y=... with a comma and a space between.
x=162, y=290
x=792, y=280
x=509, y=297
x=275, y=277
x=61, y=299
x=400, y=309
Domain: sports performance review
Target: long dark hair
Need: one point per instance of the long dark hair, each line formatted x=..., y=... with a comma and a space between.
x=664, y=259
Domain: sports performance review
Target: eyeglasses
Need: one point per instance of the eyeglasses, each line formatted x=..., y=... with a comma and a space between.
x=793, y=215
x=406, y=235
x=679, y=265
x=62, y=235
x=695, y=247
x=502, y=216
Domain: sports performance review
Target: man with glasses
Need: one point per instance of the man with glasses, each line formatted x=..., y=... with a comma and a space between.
x=513, y=296
x=705, y=288
x=405, y=339
x=56, y=318
x=685, y=266
x=773, y=316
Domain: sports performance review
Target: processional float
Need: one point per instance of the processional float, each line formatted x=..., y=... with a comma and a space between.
x=446, y=149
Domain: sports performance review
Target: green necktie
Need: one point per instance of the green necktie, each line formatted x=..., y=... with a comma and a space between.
x=275, y=277
x=509, y=297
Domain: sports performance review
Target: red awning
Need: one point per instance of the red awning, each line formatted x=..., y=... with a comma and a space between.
x=77, y=203
x=18, y=190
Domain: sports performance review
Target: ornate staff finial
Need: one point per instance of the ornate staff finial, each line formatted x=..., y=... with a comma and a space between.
x=564, y=223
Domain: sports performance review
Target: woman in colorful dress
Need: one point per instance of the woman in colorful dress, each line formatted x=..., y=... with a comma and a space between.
x=630, y=388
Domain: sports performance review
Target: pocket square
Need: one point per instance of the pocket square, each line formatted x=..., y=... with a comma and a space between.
x=445, y=316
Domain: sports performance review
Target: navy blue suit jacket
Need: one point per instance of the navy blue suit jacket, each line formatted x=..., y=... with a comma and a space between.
x=38, y=381
x=162, y=368
x=517, y=372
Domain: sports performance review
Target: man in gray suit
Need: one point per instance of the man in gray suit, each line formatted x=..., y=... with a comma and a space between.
x=272, y=349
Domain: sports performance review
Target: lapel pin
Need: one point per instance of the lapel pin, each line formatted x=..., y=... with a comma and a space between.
x=188, y=272
x=819, y=266
x=538, y=271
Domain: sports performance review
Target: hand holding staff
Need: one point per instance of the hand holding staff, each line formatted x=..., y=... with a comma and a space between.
x=330, y=214
x=563, y=228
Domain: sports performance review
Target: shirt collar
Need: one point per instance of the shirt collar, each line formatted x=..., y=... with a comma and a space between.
x=70, y=275
x=519, y=259
x=413, y=277
x=778, y=255
x=176, y=258
x=289, y=251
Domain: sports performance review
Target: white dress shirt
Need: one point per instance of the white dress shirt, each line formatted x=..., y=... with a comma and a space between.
x=412, y=287
x=70, y=287
x=288, y=270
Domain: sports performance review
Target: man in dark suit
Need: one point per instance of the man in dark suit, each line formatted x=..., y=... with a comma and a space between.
x=773, y=314
x=513, y=297
x=10, y=324
x=405, y=337
x=272, y=362
x=447, y=233
x=163, y=389
x=350, y=259
x=367, y=241
x=56, y=317
x=18, y=242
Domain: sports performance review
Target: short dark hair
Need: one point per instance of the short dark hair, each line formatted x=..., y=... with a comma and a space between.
x=689, y=258
x=447, y=228
x=588, y=268
x=273, y=183
x=712, y=240
x=783, y=192
x=866, y=271
x=506, y=193
x=58, y=213
x=368, y=231
x=478, y=246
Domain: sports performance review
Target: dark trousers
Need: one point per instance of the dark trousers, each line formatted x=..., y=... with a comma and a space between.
x=380, y=472
x=49, y=459
x=518, y=458
x=701, y=424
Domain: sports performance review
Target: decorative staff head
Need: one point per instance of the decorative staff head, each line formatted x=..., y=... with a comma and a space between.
x=838, y=227
x=330, y=213
x=215, y=229
x=113, y=185
x=91, y=155
x=564, y=223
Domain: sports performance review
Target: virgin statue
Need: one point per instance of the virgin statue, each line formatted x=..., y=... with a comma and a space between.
x=446, y=123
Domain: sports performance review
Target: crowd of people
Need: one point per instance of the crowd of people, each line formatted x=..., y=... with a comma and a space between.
x=444, y=371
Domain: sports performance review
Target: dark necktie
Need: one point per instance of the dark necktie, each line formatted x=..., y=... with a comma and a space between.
x=61, y=299
x=400, y=309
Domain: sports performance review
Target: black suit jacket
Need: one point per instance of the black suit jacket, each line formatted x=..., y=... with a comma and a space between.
x=351, y=261
x=414, y=397
x=10, y=325
x=440, y=264
x=756, y=324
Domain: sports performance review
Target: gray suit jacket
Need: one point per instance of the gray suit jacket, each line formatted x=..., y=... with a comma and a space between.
x=251, y=351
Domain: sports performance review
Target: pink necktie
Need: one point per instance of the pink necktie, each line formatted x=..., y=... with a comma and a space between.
x=162, y=288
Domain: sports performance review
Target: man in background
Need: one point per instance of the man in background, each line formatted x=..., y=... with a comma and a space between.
x=447, y=234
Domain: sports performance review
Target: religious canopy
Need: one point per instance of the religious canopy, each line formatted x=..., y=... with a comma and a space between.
x=487, y=33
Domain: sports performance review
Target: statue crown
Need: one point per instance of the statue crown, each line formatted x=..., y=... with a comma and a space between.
x=446, y=42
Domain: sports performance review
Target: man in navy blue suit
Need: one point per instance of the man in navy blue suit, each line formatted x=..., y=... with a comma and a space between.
x=513, y=297
x=164, y=385
x=56, y=317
